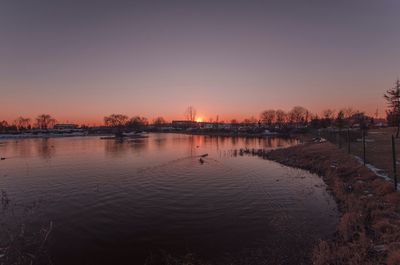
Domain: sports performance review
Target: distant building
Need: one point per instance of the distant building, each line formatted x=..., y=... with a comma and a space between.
x=184, y=124
x=215, y=125
x=208, y=125
x=66, y=126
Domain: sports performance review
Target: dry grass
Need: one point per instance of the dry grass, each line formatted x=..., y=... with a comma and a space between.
x=378, y=149
x=22, y=248
x=369, y=229
x=394, y=254
x=18, y=245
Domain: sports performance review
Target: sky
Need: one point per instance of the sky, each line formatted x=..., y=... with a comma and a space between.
x=82, y=60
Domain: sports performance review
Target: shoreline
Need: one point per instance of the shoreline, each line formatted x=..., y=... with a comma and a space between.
x=233, y=134
x=216, y=134
x=368, y=231
x=39, y=136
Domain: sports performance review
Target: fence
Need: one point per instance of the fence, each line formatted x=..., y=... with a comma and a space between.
x=372, y=147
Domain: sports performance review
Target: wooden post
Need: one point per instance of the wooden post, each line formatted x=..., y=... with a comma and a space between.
x=394, y=162
x=348, y=140
x=363, y=140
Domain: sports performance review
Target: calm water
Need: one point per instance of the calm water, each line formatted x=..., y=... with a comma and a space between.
x=128, y=202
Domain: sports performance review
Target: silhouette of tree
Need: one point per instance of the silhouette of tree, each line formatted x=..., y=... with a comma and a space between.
x=137, y=122
x=392, y=97
x=340, y=120
x=268, y=116
x=190, y=113
x=23, y=123
x=329, y=116
x=361, y=119
x=315, y=121
x=116, y=120
x=3, y=126
x=250, y=121
x=280, y=117
x=45, y=121
x=298, y=115
x=349, y=112
x=3, y=123
x=159, y=121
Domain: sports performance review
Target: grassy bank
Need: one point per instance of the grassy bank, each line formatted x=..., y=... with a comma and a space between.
x=378, y=146
x=369, y=228
x=378, y=149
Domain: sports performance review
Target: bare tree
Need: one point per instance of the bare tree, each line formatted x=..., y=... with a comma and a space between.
x=361, y=119
x=250, y=121
x=116, y=120
x=328, y=114
x=45, y=121
x=392, y=97
x=280, y=116
x=348, y=115
x=340, y=119
x=190, y=113
x=138, y=122
x=4, y=123
x=3, y=126
x=348, y=112
x=268, y=116
x=23, y=123
x=159, y=121
x=298, y=115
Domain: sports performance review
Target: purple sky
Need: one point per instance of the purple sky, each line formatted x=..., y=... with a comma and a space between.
x=81, y=60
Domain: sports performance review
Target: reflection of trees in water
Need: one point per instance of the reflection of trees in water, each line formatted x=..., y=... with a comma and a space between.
x=274, y=142
x=194, y=142
x=45, y=148
x=180, y=138
x=118, y=148
x=138, y=145
x=248, y=141
x=214, y=141
x=191, y=145
x=22, y=148
x=160, y=141
x=234, y=141
x=115, y=148
x=257, y=146
x=268, y=142
x=271, y=142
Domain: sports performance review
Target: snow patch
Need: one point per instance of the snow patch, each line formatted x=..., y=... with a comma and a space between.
x=379, y=172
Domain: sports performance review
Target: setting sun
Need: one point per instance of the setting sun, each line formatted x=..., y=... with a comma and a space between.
x=199, y=119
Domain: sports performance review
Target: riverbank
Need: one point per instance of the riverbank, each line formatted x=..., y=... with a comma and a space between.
x=368, y=231
x=40, y=135
x=205, y=133
x=233, y=134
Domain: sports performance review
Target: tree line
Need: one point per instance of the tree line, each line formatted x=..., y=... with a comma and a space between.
x=298, y=116
x=42, y=121
x=121, y=120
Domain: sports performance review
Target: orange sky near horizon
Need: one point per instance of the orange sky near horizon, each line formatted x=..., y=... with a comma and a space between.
x=202, y=114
